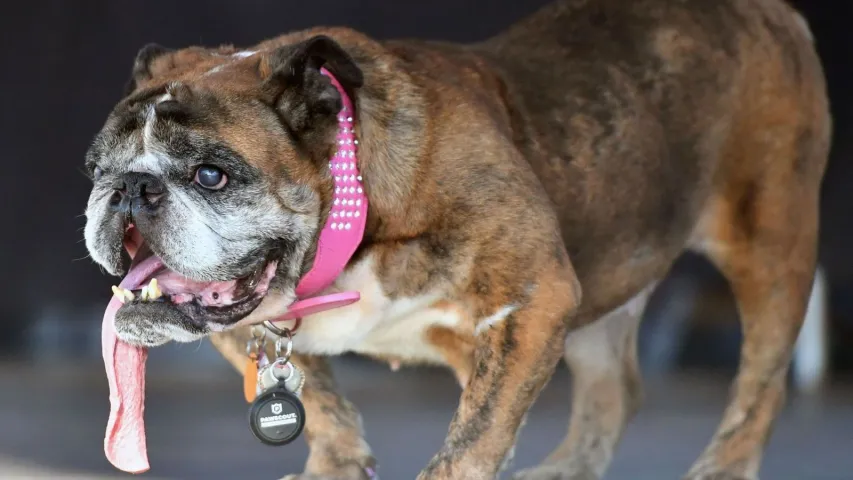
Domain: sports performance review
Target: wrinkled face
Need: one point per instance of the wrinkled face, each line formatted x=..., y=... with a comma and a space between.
x=209, y=174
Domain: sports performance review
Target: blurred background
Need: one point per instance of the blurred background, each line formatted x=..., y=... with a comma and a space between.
x=64, y=66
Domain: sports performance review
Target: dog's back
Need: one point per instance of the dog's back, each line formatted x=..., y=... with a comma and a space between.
x=639, y=118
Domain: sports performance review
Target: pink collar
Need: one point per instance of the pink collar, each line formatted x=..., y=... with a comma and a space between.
x=344, y=229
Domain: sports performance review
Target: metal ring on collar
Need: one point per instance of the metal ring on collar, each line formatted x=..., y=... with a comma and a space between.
x=280, y=332
x=256, y=343
x=289, y=347
x=258, y=332
x=282, y=362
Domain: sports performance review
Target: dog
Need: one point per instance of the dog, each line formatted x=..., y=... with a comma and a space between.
x=526, y=193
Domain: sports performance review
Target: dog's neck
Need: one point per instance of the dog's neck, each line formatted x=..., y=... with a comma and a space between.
x=389, y=179
x=344, y=229
x=392, y=125
x=345, y=223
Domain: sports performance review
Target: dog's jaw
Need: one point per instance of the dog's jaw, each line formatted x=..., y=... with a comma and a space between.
x=159, y=303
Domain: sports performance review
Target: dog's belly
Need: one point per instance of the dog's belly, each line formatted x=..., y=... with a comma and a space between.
x=376, y=325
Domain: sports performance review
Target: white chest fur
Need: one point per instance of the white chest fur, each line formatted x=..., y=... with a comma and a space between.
x=375, y=325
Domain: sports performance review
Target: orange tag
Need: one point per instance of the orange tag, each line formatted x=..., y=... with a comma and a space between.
x=250, y=378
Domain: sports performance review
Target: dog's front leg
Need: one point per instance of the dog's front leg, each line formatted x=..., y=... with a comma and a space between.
x=517, y=349
x=333, y=430
x=333, y=427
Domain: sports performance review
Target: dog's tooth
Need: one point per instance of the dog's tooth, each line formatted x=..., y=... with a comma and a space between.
x=154, y=291
x=143, y=294
x=118, y=293
x=129, y=295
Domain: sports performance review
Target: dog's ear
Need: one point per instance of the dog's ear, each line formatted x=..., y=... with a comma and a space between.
x=142, y=65
x=304, y=97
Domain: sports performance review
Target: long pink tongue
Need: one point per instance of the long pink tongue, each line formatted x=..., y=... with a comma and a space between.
x=124, y=441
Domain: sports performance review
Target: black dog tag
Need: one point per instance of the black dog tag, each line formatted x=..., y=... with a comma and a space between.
x=277, y=416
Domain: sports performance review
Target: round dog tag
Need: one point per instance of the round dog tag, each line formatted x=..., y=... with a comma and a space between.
x=276, y=417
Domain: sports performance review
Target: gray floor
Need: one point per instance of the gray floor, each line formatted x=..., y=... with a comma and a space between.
x=52, y=418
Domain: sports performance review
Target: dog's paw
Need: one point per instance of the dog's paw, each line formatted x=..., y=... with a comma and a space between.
x=354, y=473
x=308, y=476
x=557, y=471
x=311, y=476
x=717, y=476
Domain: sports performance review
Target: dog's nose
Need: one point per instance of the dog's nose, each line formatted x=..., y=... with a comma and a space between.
x=135, y=191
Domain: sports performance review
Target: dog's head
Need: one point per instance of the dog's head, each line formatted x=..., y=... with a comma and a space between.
x=210, y=173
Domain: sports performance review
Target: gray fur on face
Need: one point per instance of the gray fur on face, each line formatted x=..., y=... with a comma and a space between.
x=203, y=235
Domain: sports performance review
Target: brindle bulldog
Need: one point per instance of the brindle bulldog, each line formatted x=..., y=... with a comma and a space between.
x=581, y=150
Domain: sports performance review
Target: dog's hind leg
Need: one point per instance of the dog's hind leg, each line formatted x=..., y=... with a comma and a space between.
x=767, y=249
x=761, y=231
x=606, y=391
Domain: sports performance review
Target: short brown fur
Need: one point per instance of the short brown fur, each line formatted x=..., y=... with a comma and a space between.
x=587, y=146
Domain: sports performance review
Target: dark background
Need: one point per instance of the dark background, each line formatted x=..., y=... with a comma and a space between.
x=63, y=67
x=65, y=62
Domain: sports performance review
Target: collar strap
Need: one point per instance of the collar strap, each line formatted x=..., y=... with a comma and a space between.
x=344, y=229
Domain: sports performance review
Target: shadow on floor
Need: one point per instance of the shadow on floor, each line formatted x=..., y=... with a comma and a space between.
x=52, y=419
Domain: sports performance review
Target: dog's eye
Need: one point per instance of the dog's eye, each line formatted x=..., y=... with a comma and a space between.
x=210, y=177
x=97, y=173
